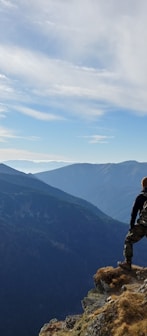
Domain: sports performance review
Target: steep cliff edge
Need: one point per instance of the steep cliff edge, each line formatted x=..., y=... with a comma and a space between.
x=116, y=306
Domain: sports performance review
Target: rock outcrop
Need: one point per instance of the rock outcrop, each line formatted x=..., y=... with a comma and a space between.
x=116, y=306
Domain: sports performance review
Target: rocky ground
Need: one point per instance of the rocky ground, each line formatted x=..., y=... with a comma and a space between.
x=116, y=306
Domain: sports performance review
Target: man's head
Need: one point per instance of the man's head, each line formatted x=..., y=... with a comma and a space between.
x=144, y=182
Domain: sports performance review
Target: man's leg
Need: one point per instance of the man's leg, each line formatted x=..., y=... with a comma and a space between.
x=132, y=237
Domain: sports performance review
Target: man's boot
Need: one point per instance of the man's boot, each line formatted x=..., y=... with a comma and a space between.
x=125, y=265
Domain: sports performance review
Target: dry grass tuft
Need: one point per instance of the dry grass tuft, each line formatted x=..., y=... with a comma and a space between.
x=123, y=330
x=131, y=308
x=115, y=278
x=132, y=316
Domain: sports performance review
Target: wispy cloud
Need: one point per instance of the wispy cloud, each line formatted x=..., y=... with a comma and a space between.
x=3, y=111
x=7, y=4
x=98, y=53
x=37, y=114
x=93, y=139
x=6, y=134
x=14, y=154
x=77, y=63
x=33, y=75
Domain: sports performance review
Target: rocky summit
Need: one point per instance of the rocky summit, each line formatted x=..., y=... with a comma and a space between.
x=116, y=306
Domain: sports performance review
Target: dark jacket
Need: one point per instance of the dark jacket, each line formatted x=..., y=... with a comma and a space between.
x=137, y=206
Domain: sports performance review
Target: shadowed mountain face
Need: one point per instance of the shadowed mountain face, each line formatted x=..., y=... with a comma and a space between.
x=110, y=187
x=50, y=245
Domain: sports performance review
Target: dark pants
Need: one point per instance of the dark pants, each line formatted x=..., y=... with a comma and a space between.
x=133, y=236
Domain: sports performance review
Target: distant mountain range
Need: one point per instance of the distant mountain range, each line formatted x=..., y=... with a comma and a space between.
x=28, y=166
x=50, y=245
x=112, y=187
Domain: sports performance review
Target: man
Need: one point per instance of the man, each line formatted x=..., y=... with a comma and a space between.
x=137, y=231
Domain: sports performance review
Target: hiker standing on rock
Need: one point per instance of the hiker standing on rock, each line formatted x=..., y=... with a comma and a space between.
x=137, y=230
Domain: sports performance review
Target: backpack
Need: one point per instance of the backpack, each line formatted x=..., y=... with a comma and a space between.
x=143, y=215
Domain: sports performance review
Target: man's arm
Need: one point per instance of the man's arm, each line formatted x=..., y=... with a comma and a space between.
x=136, y=207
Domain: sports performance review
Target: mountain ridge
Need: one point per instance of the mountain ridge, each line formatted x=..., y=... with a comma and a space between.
x=111, y=187
x=28, y=166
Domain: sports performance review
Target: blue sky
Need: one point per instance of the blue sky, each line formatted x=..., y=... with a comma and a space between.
x=73, y=80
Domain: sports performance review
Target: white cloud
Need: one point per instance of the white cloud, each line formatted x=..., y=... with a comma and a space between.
x=20, y=154
x=37, y=114
x=7, y=4
x=47, y=77
x=93, y=139
x=6, y=133
x=101, y=47
x=3, y=111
